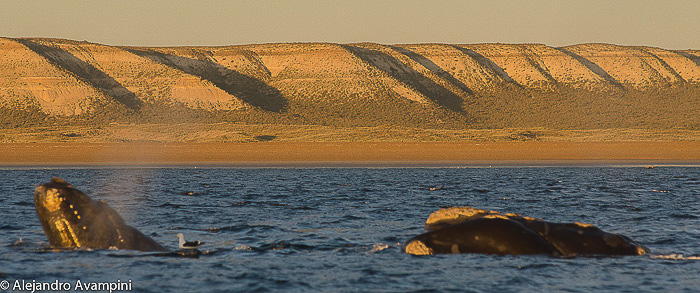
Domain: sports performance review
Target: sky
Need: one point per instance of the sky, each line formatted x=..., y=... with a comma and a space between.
x=670, y=24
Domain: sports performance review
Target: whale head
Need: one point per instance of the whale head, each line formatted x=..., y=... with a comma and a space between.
x=71, y=219
x=63, y=212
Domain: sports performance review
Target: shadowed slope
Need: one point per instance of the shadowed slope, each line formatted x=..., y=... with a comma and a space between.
x=430, y=65
x=86, y=72
x=249, y=89
x=396, y=69
x=31, y=83
x=665, y=65
x=593, y=67
x=528, y=54
x=694, y=58
x=445, y=86
x=486, y=62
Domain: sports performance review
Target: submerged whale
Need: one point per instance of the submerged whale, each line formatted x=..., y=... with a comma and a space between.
x=71, y=219
x=470, y=230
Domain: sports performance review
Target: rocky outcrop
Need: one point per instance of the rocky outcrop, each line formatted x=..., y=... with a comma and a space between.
x=479, y=85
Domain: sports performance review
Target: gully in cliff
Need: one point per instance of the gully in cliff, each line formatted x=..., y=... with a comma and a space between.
x=71, y=219
x=469, y=230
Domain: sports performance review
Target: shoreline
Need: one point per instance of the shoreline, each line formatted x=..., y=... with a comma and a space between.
x=350, y=154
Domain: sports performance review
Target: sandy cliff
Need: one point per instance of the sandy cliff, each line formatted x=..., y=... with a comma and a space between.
x=587, y=86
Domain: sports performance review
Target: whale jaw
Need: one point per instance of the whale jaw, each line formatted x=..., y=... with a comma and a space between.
x=71, y=219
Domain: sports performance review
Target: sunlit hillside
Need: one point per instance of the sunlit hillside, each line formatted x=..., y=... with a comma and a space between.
x=436, y=88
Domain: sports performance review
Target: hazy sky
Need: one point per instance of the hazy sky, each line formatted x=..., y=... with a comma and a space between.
x=672, y=24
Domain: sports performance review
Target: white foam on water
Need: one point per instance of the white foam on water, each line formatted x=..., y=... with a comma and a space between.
x=379, y=247
x=243, y=247
x=674, y=256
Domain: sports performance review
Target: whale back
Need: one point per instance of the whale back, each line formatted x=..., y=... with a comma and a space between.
x=462, y=229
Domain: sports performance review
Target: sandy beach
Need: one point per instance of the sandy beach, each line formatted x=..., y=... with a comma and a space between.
x=350, y=154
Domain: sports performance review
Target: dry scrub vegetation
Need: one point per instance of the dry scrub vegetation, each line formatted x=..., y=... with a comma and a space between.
x=240, y=132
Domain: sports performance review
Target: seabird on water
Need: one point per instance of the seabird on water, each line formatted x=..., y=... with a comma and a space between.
x=187, y=245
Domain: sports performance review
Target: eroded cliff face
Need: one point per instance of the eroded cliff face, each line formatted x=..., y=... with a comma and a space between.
x=28, y=80
x=479, y=85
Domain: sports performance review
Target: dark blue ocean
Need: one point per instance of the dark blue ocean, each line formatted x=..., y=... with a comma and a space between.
x=341, y=229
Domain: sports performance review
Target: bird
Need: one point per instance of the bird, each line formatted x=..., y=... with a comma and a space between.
x=187, y=245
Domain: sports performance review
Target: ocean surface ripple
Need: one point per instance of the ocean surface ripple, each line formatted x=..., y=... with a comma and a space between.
x=341, y=229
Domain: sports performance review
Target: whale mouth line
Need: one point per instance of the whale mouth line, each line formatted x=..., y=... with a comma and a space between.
x=73, y=237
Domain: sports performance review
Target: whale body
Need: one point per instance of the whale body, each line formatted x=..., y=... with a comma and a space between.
x=470, y=230
x=71, y=219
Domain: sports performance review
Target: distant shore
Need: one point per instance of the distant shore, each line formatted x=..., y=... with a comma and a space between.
x=350, y=154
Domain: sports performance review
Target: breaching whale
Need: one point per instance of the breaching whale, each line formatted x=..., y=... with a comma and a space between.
x=71, y=219
x=470, y=230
